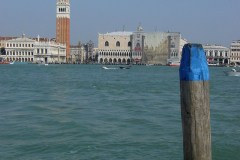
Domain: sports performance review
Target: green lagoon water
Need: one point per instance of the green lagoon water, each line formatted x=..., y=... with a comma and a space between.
x=83, y=112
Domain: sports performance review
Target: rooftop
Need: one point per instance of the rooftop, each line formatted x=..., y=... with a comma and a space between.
x=123, y=33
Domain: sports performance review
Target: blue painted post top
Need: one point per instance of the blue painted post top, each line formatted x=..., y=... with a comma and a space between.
x=194, y=66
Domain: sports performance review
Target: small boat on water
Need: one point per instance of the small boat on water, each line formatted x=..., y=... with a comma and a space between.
x=122, y=67
x=104, y=67
x=174, y=64
x=42, y=64
x=233, y=72
x=4, y=62
x=12, y=62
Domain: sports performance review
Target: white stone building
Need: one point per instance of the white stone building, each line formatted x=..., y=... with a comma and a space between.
x=114, y=48
x=140, y=47
x=24, y=49
x=217, y=54
x=49, y=52
x=20, y=49
x=235, y=52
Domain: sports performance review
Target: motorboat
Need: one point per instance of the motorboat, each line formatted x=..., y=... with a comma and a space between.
x=104, y=67
x=174, y=63
x=127, y=67
x=12, y=62
x=233, y=72
x=4, y=62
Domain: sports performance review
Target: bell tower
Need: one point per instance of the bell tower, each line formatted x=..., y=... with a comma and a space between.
x=63, y=25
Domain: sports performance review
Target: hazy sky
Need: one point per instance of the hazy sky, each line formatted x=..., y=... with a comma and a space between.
x=201, y=21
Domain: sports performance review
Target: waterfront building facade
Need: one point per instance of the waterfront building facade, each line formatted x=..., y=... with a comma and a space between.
x=20, y=49
x=76, y=52
x=49, y=52
x=161, y=48
x=217, y=54
x=83, y=53
x=24, y=49
x=140, y=47
x=63, y=24
x=137, y=46
x=2, y=46
x=89, y=47
x=235, y=52
x=114, y=48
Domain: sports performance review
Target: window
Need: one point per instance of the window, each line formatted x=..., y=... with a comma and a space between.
x=129, y=44
x=211, y=54
x=118, y=44
x=221, y=54
x=138, y=45
x=172, y=45
x=106, y=44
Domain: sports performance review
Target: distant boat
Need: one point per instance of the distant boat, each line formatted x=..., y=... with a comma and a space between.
x=174, y=64
x=212, y=64
x=12, y=62
x=104, y=67
x=4, y=62
x=149, y=64
x=233, y=72
x=122, y=67
x=43, y=64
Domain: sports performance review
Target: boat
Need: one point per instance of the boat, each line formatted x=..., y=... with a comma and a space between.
x=42, y=64
x=4, y=62
x=212, y=64
x=149, y=65
x=12, y=62
x=233, y=72
x=104, y=67
x=174, y=64
x=122, y=67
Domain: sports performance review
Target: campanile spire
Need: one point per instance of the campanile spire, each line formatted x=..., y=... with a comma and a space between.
x=63, y=24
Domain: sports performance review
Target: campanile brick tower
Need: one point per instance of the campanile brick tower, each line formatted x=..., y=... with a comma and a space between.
x=63, y=25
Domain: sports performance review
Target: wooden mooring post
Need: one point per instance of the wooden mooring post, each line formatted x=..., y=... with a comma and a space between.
x=195, y=105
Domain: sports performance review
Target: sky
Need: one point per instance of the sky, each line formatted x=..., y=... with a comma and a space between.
x=199, y=21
